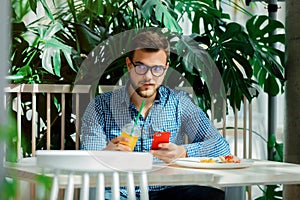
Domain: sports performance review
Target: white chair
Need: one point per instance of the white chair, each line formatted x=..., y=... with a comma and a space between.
x=96, y=169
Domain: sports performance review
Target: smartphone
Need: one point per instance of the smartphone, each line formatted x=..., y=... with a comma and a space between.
x=160, y=137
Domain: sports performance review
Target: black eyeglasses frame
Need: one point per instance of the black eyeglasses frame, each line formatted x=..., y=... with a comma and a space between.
x=148, y=67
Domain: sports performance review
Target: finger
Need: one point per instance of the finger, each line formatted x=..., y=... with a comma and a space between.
x=119, y=139
x=116, y=140
x=166, y=145
x=122, y=147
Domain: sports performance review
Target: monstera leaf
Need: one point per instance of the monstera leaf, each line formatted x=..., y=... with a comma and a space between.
x=162, y=14
x=33, y=6
x=52, y=48
x=267, y=69
x=231, y=52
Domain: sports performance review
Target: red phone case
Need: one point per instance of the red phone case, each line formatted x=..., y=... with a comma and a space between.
x=160, y=137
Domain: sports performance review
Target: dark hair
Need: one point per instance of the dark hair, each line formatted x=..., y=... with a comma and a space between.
x=150, y=41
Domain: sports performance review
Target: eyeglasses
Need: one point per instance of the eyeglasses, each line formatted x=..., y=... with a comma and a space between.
x=142, y=69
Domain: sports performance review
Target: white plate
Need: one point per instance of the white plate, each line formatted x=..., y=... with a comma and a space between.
x=194, y=162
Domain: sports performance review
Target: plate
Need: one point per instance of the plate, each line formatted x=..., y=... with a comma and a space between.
x=194, y=162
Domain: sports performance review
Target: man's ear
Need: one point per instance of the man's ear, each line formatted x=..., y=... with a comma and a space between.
x=167, y=65
x=128, y=63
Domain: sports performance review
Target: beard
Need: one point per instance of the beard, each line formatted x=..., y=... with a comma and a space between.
x=144, y=93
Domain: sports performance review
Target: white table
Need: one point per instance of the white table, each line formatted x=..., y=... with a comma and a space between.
x=259, y=173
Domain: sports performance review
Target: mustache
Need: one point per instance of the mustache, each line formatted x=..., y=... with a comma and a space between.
x=146, y=82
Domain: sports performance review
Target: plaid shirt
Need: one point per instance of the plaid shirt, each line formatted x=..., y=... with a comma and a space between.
x=172, y=111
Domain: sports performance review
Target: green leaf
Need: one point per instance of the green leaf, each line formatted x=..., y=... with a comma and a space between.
x=271, y=86
x=57, y=104
x=33, y=5
x=56, y=62
x=45, y=182
x=52, y=48
x=241, y=64
x=51, y=31
x=88, y=38
x=47, y=10
x=261, y=31
x=195, y=24
x=231, y=30
x=24, y=71
x=51, y=55
x=279, y=152
x=262, y=75
x=271, y=141
x=162, y=14
x=195, y=57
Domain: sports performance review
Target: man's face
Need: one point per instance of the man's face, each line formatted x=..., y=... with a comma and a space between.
x=146, y=85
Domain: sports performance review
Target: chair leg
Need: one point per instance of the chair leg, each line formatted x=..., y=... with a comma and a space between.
x=115, y=189
x=55, y=188
x=100, y=189
x=84, y=193
x=144, y=186
x=69, y=193
x=130, y=186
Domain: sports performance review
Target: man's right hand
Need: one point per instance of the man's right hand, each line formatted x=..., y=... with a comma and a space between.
x=115, y=145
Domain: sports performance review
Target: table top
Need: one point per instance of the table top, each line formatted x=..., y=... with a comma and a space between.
x=261, y=172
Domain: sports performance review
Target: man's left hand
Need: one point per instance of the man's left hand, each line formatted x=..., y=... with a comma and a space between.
x=169, y=152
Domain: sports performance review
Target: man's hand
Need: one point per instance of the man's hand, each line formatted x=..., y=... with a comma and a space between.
x=114, y=144
x=169, y=152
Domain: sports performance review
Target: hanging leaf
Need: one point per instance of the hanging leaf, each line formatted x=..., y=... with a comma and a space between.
x=271, y=86
x=47, y=10
x=88, y=38
x=33, y=5
x=162, y=14
x=262, y=31
x=52, y=48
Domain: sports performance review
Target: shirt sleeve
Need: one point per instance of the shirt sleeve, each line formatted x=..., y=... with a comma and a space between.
x=206, y=141
x=92, y=131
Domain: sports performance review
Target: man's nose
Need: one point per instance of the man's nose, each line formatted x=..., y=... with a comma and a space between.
x=148, y=74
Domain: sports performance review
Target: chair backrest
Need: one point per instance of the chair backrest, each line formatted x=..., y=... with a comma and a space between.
x=96, y=169
x=100, y=180
x=237, y=131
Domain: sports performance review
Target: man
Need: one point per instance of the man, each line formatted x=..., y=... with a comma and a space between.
x=165, y=110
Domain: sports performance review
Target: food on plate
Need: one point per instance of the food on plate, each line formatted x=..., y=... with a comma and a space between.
x=230, y=159
x=221, y=159
x=209, y=160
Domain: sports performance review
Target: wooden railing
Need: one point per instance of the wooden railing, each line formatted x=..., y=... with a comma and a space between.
x=47, y=90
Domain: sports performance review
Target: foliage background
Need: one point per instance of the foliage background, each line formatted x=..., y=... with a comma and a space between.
x=52, y=47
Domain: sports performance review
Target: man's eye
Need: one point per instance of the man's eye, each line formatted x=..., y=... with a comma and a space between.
x=158, y=68
x=142, y=67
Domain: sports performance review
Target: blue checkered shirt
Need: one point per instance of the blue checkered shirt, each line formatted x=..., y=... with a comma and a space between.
x=172, y=111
